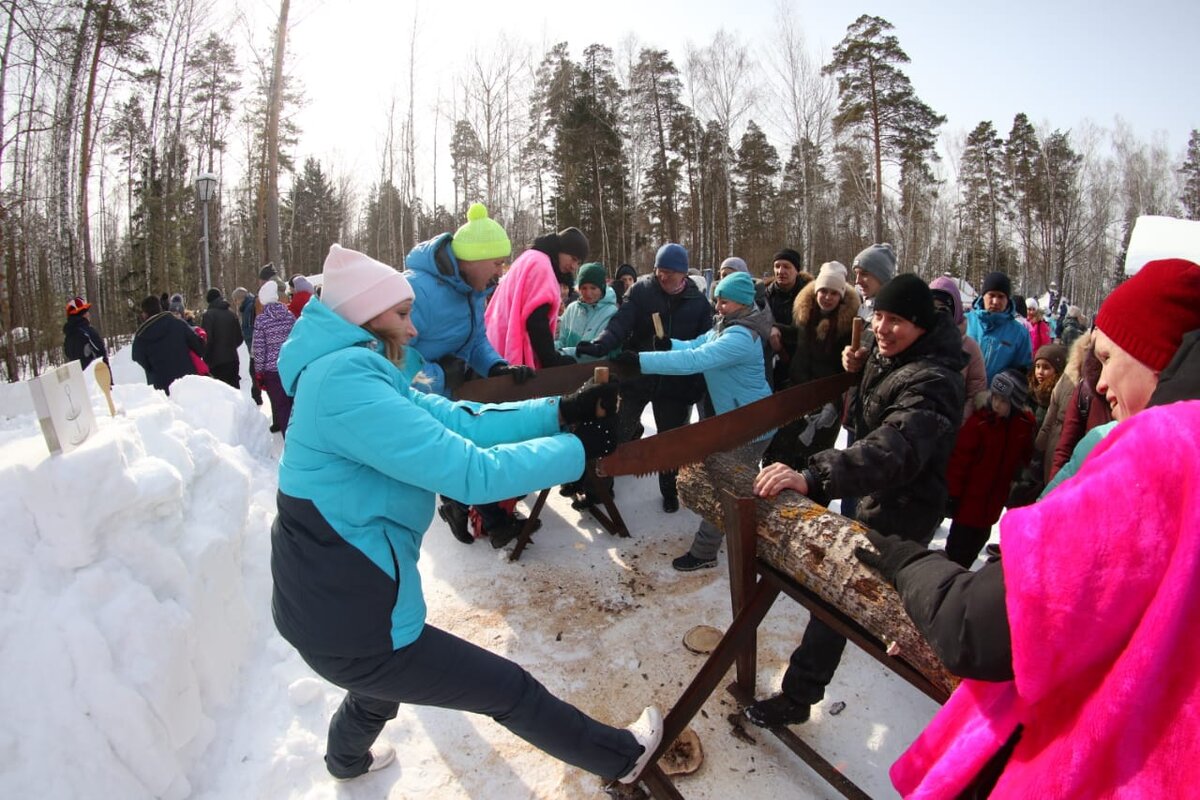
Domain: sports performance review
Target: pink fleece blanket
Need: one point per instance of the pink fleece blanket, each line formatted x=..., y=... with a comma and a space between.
x=1103, y=589
x=529, y=283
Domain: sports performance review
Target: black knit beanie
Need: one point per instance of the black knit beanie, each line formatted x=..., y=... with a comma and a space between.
x=790, y=255
x=908, y=296
x=997, y=282
x=213, y=295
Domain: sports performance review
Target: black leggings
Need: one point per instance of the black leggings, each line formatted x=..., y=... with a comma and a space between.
x=439, y=669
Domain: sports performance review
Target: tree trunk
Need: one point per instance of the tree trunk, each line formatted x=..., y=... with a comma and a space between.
x=815, y=547
x=90, y=277
x=274, y=247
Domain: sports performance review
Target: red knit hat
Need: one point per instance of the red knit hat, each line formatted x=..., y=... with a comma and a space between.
x=1148, y=314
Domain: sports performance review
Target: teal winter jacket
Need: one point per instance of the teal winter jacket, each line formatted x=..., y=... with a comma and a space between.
x=731, y=361
x=364, y=458
x=1003, y=340
x=582, y=322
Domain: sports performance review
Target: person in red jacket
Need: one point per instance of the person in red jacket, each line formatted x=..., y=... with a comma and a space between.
x=992, y=446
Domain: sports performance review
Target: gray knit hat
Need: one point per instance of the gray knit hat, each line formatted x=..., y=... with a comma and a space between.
x=879, y=260
x=1011, y=385
x=735, y=264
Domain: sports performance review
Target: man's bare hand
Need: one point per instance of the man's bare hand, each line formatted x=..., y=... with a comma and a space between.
x=854, y=360
x=774, y=478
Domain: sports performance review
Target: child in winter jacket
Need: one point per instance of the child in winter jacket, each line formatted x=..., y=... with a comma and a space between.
x=586, y=318
x=993, y=445
x=1049, y=362
x=357, y=483
x=730, y=357
x=271, y=330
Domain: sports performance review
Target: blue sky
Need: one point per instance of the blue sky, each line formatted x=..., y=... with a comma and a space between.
x=1060, y=62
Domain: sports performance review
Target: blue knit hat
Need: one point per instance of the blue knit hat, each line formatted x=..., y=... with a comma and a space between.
x=738, y=287
x=671, y=256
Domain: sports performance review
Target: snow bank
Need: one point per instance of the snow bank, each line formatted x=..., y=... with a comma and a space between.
x=123, y=610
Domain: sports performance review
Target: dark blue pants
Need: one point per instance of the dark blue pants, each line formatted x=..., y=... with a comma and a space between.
x=439, y=669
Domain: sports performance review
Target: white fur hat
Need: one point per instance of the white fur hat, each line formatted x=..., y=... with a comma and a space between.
x=358, y=288
x=833, y=277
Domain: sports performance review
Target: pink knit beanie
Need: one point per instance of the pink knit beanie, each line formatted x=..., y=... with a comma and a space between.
x=358, y=288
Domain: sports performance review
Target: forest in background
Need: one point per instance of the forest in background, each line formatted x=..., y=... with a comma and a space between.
x=110, y=109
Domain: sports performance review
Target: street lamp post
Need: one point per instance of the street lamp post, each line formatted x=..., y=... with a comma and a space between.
x=206, y=187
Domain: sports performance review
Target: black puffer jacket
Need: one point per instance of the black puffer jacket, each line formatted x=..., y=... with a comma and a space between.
x=161, y=347
x=906, y=417
x=684, y=316
x=224, y=331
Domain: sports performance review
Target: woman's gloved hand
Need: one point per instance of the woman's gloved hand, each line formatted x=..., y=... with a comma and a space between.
x=893, y=554
x=598, y=436
x=589, y=402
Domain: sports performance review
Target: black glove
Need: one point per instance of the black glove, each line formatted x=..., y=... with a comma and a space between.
x=894, y=554
x=581, y=405
x=593, y=349
x=599, y=437
x=662, y=343
x=519, y=372
x=629, y=357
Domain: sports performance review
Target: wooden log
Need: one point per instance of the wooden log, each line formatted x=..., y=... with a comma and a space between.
x=815, y=547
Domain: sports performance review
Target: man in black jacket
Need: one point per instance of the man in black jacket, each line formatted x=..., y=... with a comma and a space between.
x=162, y=343
x=224, y=336
x=781, y=296
x=685, y=314
x=906, y=415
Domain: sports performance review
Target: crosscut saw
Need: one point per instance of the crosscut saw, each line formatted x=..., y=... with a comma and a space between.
x=544, y=383
x=693, y=443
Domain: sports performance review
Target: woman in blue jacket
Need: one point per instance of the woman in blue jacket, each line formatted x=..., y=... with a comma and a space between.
x=731, y=359
x=365, y=455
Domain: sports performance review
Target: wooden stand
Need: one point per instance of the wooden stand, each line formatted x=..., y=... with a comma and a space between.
x=754, y=586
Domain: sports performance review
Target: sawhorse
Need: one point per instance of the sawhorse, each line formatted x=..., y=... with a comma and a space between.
x=594, y=486
x=753, y=587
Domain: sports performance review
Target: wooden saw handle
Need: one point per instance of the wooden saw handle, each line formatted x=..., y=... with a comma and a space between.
x=656, y=318
x=856, y=331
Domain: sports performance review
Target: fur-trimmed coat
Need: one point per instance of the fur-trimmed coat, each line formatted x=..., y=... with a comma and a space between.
x=1060, y=398
x=820, y=337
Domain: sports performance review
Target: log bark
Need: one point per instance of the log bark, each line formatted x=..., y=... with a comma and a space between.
x=815, y=547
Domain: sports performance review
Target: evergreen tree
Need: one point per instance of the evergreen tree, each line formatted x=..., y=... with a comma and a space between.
x=754, y=172
x=313, y=216
x=982, y=184
x=1058, y=213
x=465, y=156
x=804, y=196
x=1190, y=171
x=1022, y=156
x=877, y=101
x=660, y=120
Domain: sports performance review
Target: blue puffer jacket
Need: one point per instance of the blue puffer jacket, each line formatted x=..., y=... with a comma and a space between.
x=1002, y=338
x=364, y=456
x=731, y=361
x=447, y=313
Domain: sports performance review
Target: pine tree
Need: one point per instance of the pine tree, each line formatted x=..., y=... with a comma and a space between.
x=754, y=179
x=982, y=182
x=313, y=216
x=877, y=100
x=465, y=155
x=1190, y=171
x=655, y=92
x=1022, y=155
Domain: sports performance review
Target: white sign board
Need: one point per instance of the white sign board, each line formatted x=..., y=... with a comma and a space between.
x=63, y=406
x=1154, y=238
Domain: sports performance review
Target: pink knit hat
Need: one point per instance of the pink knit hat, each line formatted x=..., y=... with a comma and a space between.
x=358, y=288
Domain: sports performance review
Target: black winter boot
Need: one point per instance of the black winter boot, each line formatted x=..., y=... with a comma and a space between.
x=456, y=517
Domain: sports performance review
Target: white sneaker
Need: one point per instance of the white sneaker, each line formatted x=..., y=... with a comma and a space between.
x=648, y=730
x=382, y=755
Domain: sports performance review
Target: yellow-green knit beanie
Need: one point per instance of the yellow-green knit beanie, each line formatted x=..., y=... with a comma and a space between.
x=481, y=238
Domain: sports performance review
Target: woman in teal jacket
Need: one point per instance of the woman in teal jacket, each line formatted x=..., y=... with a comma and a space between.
x=364, y=457
x=731, y=359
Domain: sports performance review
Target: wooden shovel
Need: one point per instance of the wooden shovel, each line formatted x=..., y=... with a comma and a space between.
x=104, y=378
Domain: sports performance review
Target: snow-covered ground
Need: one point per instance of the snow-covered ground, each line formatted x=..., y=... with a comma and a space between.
x=138, y=657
